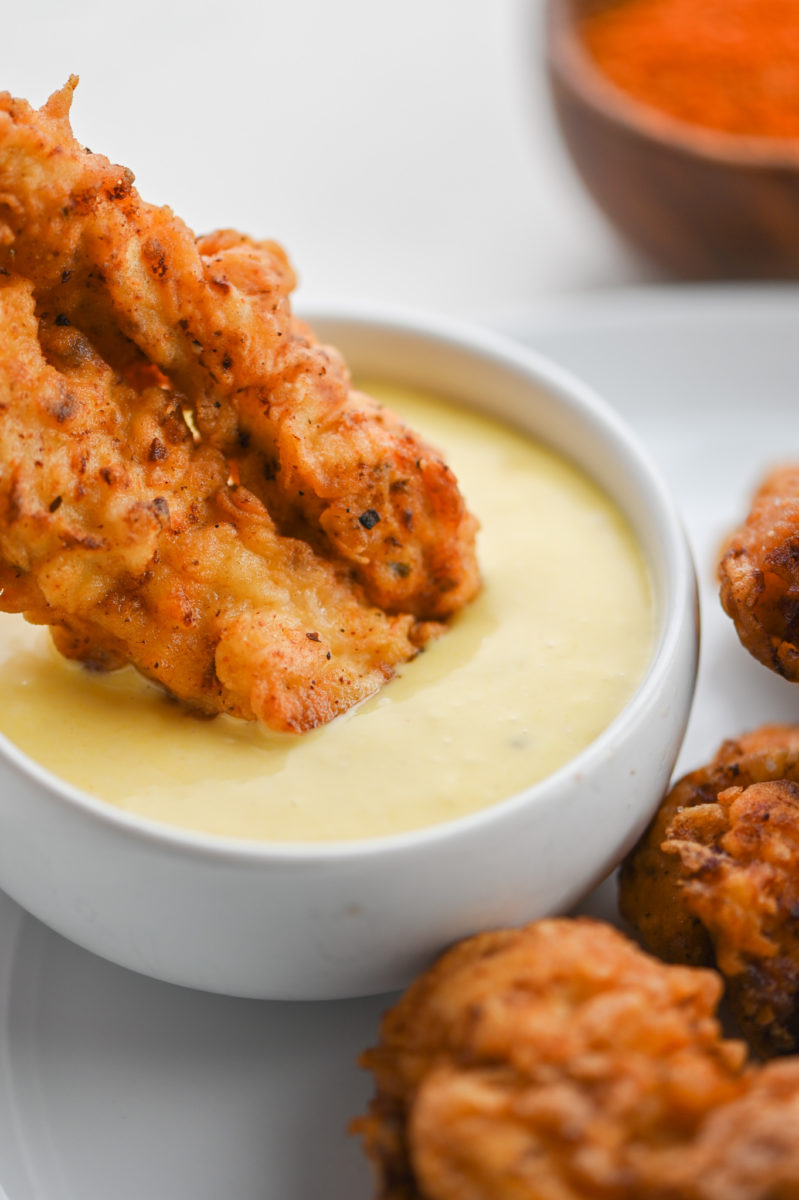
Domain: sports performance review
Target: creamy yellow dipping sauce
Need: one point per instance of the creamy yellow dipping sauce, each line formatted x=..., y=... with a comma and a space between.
x=526, y=677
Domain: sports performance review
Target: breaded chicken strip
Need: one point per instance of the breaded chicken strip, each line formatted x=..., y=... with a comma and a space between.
x=759, y=574
x=560, y=1062
x=123, y=534
x=213, y=316
x=715, y=880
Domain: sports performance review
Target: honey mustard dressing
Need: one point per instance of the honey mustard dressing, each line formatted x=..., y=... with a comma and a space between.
x=525, y=678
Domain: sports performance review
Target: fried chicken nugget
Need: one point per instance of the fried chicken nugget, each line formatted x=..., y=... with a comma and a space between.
x=213, y=315
x=122, y=533
x=715, y=880
x=759, y=574
x=559, y=1062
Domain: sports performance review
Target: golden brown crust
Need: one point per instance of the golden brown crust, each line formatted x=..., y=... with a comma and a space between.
x=213, y=315
x=759, y=574
x=558, y=1062
x=121, y=532
x=740, y=872
x=279, y=559
x=715, y=880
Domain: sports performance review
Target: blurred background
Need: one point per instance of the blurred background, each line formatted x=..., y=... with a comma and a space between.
x=402, y=153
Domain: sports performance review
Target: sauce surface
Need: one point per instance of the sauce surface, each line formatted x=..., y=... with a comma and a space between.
x=525, y=678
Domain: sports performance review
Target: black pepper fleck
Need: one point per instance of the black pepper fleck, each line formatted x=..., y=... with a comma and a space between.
x=369, y=518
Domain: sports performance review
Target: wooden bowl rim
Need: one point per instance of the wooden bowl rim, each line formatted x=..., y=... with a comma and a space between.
x=572, y=65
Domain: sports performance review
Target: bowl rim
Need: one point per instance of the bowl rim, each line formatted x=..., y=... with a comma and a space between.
x=573, y=66
x=680, y=596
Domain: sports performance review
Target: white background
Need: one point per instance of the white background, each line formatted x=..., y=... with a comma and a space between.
x=401, y=152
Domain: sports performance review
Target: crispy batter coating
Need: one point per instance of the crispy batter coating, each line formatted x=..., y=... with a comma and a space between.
x=213, y=315
x=759, y=574
x=121, y=532
x=559, y=1062
x=715, y=880
x=188, y=481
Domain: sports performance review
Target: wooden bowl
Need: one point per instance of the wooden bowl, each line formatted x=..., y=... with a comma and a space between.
x=704, y=204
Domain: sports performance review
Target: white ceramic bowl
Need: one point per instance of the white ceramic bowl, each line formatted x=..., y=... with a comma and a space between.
x=328, y=920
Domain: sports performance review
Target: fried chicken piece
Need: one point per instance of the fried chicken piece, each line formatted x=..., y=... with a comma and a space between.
x=740, y=871
x=715, y=880
x=759, y=574
x=276, y=560
x=213, y=315
x=559, y=1062
x=123, y=534
x=748, y=1150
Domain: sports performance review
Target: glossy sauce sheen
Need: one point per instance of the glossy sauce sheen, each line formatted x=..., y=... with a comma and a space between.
x=526, y=677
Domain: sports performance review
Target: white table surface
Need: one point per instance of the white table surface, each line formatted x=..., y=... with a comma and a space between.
x=401, y=152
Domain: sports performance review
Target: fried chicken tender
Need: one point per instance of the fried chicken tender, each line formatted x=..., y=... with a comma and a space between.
x=188, y=481
x=715, y=880
x=213, y=315
x=759, y=574
x=119, y=531
x=560, y=1062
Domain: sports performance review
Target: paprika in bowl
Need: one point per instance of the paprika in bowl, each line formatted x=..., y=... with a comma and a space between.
x=682, y=118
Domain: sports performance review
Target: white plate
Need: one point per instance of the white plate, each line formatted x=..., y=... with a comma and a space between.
x=115, y=1086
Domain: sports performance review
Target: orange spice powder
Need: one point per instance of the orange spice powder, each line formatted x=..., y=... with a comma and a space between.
x=730, y=65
